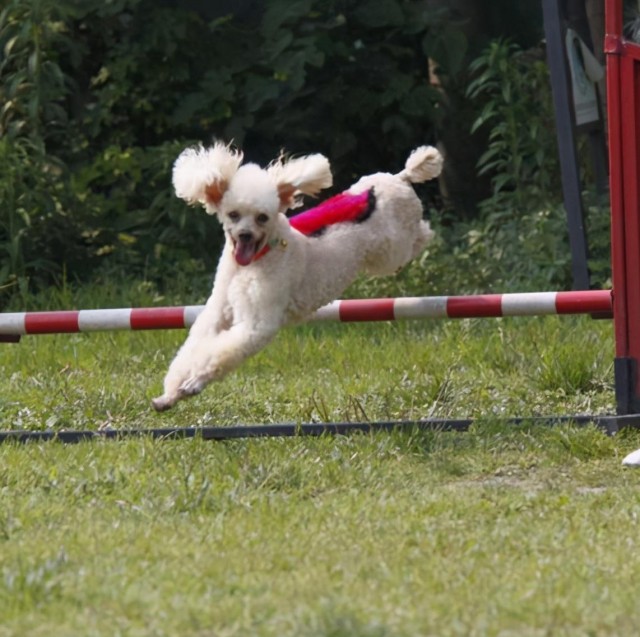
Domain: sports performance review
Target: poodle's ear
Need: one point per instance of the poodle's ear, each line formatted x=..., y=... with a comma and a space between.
x=202, y=175
x=301, y=176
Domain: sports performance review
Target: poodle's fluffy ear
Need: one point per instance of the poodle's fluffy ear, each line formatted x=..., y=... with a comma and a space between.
x=301, y=176
x=202, y=175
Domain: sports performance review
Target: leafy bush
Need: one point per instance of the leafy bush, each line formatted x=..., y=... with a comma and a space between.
x=33, y=218
x=522, y=225
x=34, y=226
x=521, y=154
x=100, y=97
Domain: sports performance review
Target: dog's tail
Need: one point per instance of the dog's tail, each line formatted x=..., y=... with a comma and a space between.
x=423, y=164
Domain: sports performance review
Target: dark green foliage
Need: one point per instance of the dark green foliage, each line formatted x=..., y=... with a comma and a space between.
x=521, y=236
x=99, y=98
x=521, y=153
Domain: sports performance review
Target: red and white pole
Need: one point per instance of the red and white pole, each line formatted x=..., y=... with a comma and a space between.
x=13, y=325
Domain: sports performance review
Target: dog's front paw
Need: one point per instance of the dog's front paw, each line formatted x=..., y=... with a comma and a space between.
x=164, y=402
x=189, y=387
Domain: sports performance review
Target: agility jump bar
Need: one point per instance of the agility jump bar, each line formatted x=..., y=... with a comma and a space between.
x=597, y=302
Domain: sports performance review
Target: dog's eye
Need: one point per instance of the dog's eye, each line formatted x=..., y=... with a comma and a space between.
x=262, y=218
x=234, y=215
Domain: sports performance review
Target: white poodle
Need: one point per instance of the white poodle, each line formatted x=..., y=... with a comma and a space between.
x=275, y=271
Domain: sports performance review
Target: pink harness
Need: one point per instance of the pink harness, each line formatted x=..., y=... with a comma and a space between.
x=343, y=208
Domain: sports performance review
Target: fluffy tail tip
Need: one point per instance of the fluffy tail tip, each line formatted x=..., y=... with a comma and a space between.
x=423, y=164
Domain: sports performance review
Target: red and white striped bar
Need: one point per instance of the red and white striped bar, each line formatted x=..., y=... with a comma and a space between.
x=72, y=321
x=479, y=306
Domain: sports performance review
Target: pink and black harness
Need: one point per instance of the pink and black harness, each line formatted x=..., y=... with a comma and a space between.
x=343, y=208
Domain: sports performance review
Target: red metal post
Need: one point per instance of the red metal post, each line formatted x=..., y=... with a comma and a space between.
x=623, y=97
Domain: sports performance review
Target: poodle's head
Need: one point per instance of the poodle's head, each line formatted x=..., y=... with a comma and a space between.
x=247, y=198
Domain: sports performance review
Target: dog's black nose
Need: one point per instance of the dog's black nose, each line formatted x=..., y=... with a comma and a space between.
x=245, y=237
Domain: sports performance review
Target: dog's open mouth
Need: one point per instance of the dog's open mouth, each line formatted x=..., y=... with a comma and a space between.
x=245, y=248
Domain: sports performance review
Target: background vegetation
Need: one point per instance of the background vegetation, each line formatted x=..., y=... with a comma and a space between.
x=98, y=99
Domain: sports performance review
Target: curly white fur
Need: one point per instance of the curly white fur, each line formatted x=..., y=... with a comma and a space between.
x=253, y=298
x=197, y=168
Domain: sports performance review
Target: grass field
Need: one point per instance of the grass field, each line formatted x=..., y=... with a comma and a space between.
x=501, y=530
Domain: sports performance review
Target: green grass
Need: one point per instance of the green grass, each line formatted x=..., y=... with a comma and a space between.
x=319, y=373
x=501, y=530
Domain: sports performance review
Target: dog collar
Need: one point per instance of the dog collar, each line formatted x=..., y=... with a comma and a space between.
x=343, y=208
x=274, y=243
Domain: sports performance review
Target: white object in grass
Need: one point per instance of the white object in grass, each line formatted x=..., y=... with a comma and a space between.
x=633, y=459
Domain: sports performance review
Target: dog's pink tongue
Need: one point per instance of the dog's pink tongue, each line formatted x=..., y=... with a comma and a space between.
x=244, y=252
